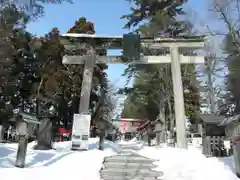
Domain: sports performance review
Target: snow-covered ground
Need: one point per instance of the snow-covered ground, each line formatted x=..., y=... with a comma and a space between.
x=179, y=164
x=62, y=163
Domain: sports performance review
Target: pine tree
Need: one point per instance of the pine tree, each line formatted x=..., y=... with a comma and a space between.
x=162, y=21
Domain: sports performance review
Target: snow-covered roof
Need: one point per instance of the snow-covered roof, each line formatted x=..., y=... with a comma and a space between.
x=212, y=119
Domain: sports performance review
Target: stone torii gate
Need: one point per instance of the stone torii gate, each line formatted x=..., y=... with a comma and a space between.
x=100, y=44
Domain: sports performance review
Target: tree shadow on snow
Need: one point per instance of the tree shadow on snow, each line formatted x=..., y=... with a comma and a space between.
x=40, y=158
x=4, y=152
x=54, y=160
x=8, y=158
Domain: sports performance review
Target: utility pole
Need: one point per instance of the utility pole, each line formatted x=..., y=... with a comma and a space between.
x=162, y=118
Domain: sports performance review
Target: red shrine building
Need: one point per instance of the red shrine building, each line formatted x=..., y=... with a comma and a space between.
x=129, y=124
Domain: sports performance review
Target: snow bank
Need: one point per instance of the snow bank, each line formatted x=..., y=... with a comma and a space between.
x=60, y=163
x=178, y=164
x=15, y=145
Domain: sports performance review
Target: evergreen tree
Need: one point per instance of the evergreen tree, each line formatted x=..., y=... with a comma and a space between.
x=232, y=79
x=152, y=93
x=13, y=39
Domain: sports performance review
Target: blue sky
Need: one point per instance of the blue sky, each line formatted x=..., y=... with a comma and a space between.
x=105, y=14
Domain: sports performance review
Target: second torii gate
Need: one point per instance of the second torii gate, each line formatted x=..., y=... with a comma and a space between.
x=99, y=44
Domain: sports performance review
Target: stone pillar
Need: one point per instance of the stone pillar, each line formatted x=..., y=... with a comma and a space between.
x=149, y=134
x=1, y=133
x=170, y=140
x=22, y=143
x=158, y=138
x=22, y=151
x=87, y=82
x=101, y=136
x=114, y=135
x=158, y=130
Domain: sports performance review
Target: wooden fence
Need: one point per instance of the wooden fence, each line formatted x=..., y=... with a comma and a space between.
x=216, y=146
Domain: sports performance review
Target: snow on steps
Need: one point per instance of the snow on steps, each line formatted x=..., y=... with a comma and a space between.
x=128, y=166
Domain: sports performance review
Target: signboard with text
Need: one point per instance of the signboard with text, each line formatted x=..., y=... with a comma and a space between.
x=80, y=131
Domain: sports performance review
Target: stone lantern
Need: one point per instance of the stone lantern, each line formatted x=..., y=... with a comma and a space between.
x=23, y=124
x=158, y=131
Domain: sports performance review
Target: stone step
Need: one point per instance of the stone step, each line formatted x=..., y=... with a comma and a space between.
x=126, y=149
x=128, y=165
x=128, y=178
x=126, y=153
x=130, y=172
x=124, y=170
x=128, y=158
x=128, y=146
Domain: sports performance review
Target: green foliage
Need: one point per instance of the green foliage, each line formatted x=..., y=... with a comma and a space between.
x=32, y=9
x=13, y=44
x=82, y=26
x=152, y=83
x=160, y=17
x=31, y=70
x=131, y=47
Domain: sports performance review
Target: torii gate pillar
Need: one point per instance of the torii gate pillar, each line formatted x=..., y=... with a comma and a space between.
x=178, y=98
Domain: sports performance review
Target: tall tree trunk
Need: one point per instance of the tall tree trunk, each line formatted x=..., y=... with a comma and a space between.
x=170, y=134
x=75, y=104
x=3, y=124
x=211, y=94
x=162, y=119
x=149, y=134
x=237, y=103
x=44, y=136
x=1, y=132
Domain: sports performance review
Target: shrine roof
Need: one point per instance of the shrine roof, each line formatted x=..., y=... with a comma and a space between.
x=211, y=119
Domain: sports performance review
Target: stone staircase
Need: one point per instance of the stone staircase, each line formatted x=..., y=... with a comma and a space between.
x=128, y=165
